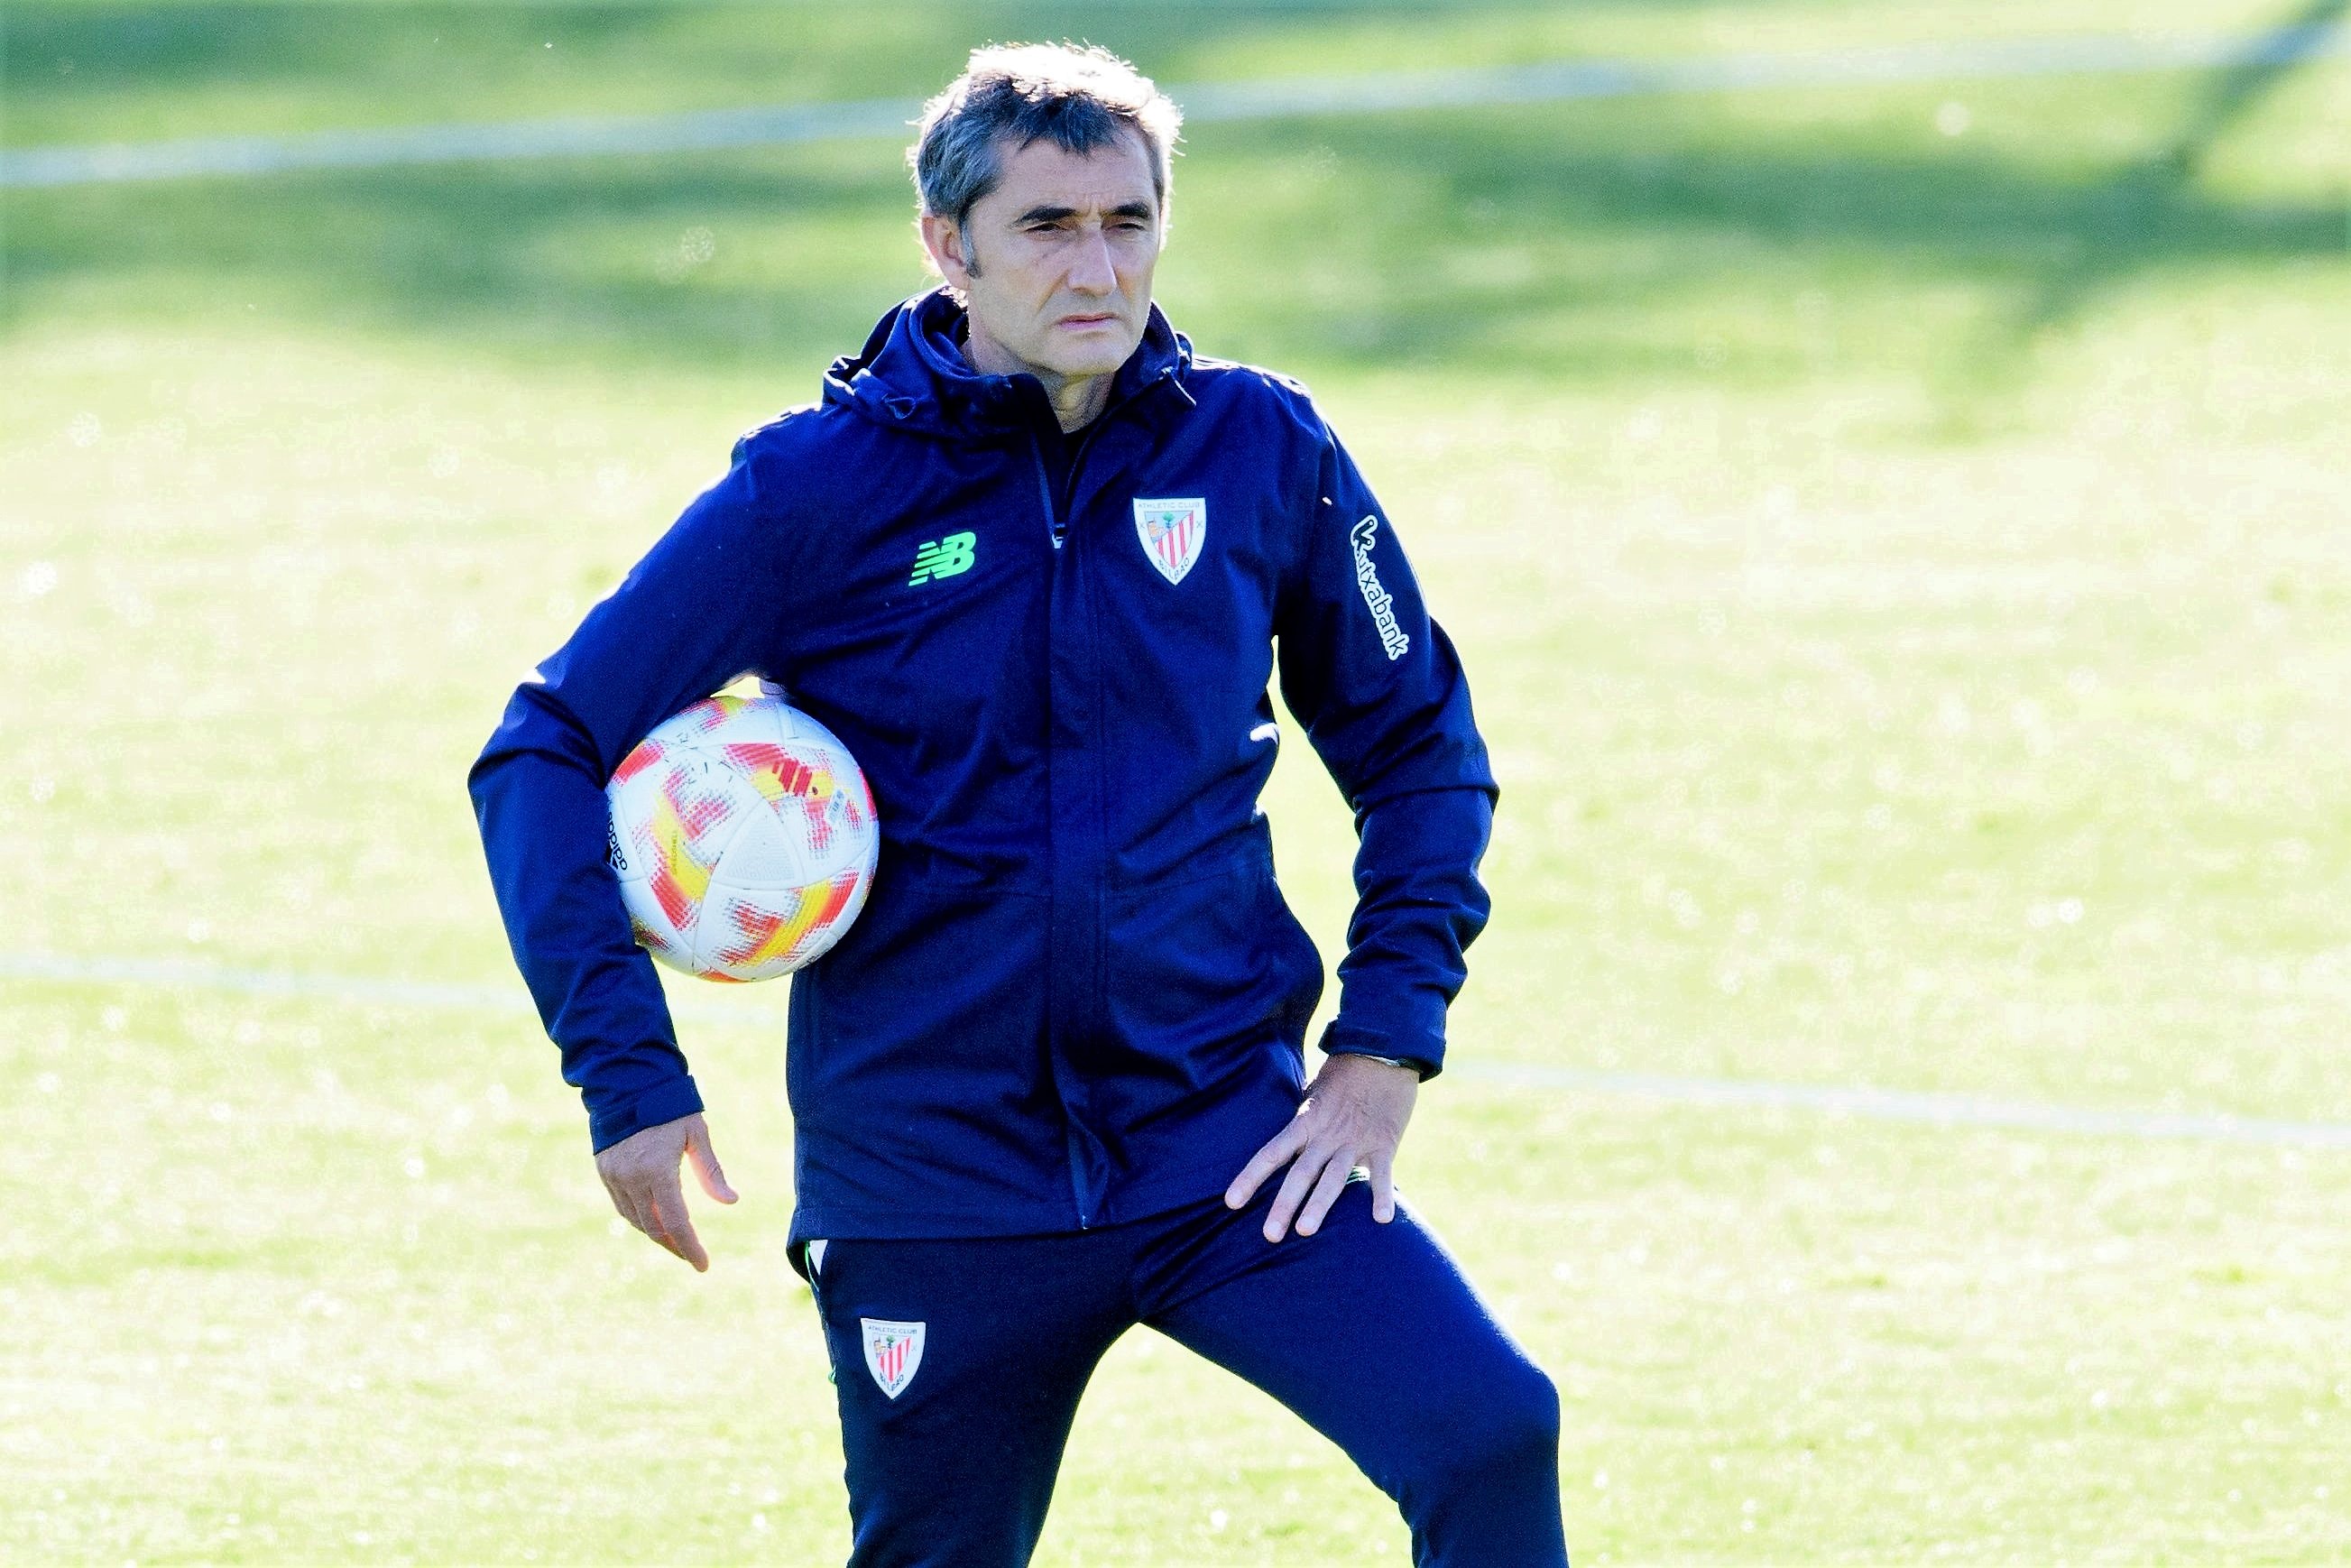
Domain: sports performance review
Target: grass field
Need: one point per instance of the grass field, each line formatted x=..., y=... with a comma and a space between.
x=1900, y=538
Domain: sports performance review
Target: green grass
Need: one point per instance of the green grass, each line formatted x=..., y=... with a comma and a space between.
x=1907, y=582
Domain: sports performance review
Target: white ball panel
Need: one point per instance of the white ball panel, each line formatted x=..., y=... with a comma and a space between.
x=740, y=893
x=768, y=851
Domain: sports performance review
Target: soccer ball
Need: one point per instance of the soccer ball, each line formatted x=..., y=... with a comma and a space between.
x=744, y=837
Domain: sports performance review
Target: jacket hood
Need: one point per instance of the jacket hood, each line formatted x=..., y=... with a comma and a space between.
x=912, y=375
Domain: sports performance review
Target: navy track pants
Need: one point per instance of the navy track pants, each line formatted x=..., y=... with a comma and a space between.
x=959, y=1365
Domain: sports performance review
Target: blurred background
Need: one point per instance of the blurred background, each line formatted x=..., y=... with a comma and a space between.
x=1885, y=466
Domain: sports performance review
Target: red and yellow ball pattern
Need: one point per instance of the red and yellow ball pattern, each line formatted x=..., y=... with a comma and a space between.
x=744, y=839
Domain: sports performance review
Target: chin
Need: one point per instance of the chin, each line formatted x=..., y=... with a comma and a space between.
x=1099, y=364
x=1094, y=359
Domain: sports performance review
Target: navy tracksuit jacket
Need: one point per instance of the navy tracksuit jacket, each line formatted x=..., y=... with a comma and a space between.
x=1076, y=996
x=1074, y=1003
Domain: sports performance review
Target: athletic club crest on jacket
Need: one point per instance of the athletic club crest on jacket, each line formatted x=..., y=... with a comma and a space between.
x=1171, y=532
x=1076, y=995
x=894, y=1352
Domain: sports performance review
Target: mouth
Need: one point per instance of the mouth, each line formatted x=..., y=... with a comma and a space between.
x=1082, y=322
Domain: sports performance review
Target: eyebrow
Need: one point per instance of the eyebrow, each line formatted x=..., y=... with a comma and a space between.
x=1055, y=214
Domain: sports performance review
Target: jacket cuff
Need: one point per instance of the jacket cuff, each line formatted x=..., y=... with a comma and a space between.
x=666, y=1101
x=1342, y=1037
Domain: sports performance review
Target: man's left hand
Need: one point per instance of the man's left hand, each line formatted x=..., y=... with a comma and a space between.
x=1354, y=1115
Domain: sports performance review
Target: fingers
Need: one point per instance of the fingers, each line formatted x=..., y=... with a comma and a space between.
x=1276, y=1153
x=705, y=1163
x=674, y=1230
x=1326, y=1193
x=1330, y=1136
x=642, y=1174
x=622, y=1204
x=635, y=1206
x=1295, y=1188
x=659, y=1210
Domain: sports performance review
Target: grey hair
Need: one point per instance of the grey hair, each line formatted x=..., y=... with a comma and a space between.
x=1078, y=97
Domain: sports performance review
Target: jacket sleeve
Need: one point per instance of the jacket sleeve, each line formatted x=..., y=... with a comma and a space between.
x=691, y=616
x=1376, y=685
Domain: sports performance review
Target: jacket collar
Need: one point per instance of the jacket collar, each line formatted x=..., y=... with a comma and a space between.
x=912, y=375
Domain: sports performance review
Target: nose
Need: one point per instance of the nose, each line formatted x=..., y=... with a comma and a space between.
x=1090, y=270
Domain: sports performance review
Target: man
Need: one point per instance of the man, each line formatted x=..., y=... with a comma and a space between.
x=1029, y=558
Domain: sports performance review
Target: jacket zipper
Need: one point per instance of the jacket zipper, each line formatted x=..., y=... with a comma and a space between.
x=1045, y=490
x=1055, y=523
x=1054, y=517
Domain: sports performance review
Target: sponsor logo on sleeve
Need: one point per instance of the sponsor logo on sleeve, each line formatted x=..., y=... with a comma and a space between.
x=1393, y=641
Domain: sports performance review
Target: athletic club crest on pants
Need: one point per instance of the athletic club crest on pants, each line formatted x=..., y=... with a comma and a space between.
x=894, y=1352
x=1171, y=532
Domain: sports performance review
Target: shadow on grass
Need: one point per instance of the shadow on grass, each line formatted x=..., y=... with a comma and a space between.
x=395, y=62
x=1582, y=241
x=2152, y=194
x=1675, y=226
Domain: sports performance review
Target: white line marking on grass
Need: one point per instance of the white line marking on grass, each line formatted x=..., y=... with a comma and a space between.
x=1468, y=86
x=778, y=126
x=1932, y=1109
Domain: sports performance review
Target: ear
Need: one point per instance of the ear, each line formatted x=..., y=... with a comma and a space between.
x=943, y=242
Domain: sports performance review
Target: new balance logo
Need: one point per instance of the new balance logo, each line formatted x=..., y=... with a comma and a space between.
x=942, y=557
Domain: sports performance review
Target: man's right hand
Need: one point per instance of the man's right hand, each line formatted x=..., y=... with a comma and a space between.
x=641, y=1173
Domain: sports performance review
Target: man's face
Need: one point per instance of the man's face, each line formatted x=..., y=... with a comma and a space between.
x=1065, y=246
